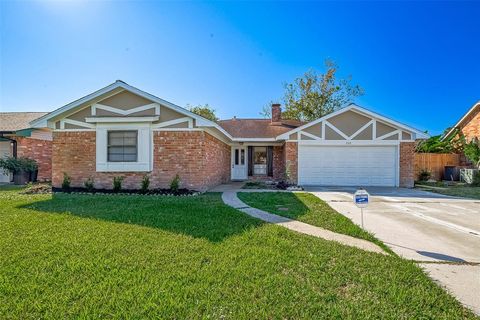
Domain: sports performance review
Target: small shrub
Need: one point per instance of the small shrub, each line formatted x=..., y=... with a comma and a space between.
x=89, y=184
x=16, y=165
x=117, y=183
x=476, y=179
x=175, y=184
x=145, y=184
x=66, y=181
x=424, y=175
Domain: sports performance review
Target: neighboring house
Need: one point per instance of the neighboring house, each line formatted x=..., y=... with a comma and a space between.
x=120, y=130
x=18, y=139
x=468, y=125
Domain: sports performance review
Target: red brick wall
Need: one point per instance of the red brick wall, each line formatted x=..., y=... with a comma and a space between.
x=407, y=164
x=278, y=163
x=201, y=160
x=40, y=151
x=291, y=160
x=471, y=129
x=217, y=161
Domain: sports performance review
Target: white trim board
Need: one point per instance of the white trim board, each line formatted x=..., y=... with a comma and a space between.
x=120, y=119
x=174, y=121
x=122, y=112
x=359, y=110
x=200, y=121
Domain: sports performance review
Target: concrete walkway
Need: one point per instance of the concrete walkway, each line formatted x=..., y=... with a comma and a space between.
x=230, y=198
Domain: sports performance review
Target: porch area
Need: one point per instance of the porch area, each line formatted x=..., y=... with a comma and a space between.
x=258, y=162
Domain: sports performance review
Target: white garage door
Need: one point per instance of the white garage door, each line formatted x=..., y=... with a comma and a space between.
x=347, y=165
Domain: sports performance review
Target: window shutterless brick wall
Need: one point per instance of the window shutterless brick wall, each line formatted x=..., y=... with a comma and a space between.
x=201, y=160
x=291, y=160
x=471, y=129
x=407, y=164
x=38, y=150
x=278, y=163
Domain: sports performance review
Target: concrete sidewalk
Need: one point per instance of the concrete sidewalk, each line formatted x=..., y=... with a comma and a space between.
x=230, y=198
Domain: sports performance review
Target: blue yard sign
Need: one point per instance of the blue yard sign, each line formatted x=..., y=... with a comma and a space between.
x=360, y=198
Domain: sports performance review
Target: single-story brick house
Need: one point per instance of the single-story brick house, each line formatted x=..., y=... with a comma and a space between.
x=120, y=130
x=18, y=139
x=468, y=125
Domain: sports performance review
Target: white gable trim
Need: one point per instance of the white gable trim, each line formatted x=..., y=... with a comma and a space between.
x=172, y=122
x=75, y=123
x=306, y=134
x=371, y=122
x=155, y=106
x=200, y=121
x=331, y=126
x=360, y=110
x=120, y=119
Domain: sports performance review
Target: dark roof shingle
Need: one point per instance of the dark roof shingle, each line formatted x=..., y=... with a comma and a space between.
x=257, y=128
x=13, y=121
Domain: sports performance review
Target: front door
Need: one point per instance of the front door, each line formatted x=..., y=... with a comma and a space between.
x=239, y=163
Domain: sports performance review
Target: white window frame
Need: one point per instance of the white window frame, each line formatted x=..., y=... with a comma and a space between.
x=144, y=161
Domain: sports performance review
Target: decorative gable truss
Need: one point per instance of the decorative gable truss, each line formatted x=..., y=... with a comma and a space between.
x=88, y=118
x=353, y=124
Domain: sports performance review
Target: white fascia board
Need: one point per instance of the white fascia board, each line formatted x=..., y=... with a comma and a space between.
x=201, y=121
x=351, y=142
x=40, y=121
x=120, y=119
x=361, y=110
x=254, y=139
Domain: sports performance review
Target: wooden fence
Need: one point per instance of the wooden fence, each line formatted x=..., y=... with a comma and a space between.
x=435, y=163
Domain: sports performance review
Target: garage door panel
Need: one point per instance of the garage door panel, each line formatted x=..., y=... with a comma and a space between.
x=347, y=165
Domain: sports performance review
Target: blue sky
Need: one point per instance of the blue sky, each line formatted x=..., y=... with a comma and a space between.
x=419, y=62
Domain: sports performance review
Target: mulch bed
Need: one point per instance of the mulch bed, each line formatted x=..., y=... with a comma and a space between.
x=164, y=192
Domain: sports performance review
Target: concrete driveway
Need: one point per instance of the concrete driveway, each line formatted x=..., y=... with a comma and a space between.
x=441, y=233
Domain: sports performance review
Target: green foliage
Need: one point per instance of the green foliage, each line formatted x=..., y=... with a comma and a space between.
x=307, y=208
x=472, y=151
x=424, y=175
x=435, y=144
x=117, y=183
x=476, y=179
x=315, y=95
x=89, y=184
x=66, y=181
x=145, y=184
x=145, y=257
x=175, y=183
x=14, y=165
x=204, y=111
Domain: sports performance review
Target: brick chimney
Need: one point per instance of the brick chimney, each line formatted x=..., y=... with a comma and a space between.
x=276, y=112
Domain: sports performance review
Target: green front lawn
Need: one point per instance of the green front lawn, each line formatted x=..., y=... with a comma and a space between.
x=81, y=256
x=307, y=208
x=458, y=190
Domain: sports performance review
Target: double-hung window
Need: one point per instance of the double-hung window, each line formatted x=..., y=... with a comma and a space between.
x=122, y=146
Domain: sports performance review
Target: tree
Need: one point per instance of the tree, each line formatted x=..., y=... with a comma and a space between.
x=267, y=110
x=472, y=151
x=204, y=110
x=315, y=95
